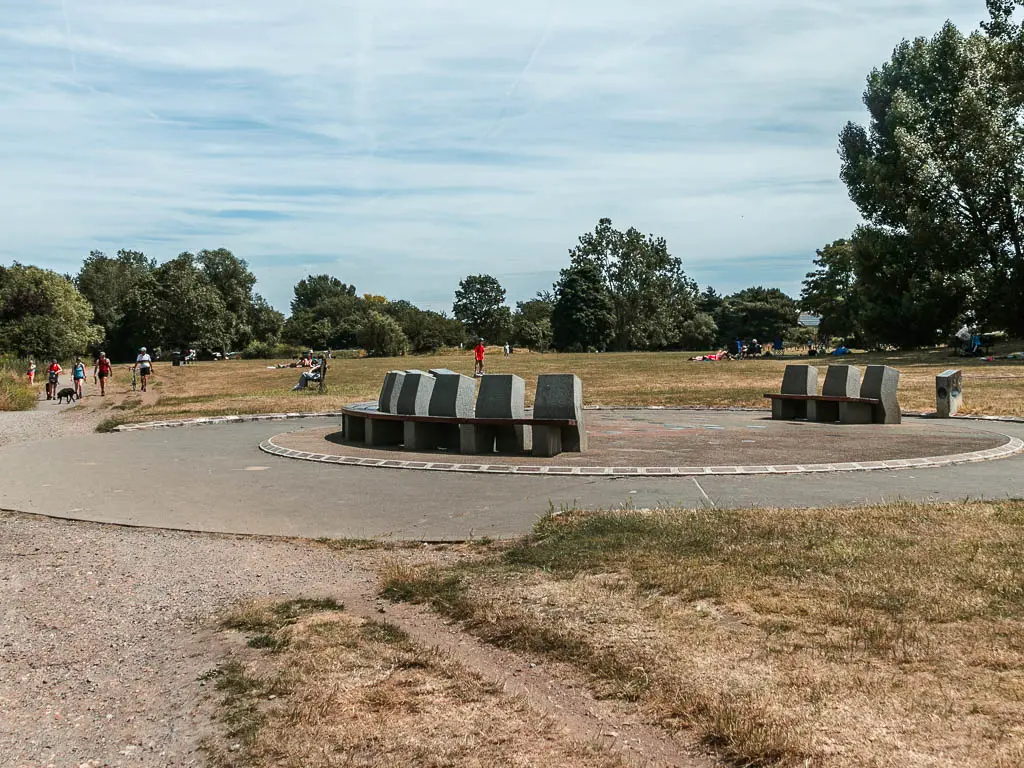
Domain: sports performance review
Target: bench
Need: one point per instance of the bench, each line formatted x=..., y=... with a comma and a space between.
x=845, y=397
x=427, y=411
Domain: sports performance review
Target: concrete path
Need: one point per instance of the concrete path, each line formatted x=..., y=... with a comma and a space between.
x=214, y=478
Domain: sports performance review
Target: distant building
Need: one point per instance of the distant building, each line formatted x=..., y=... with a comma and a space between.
x=808, y=321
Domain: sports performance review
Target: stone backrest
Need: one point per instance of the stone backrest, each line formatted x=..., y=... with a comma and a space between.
x=452, y=395
x=388, y=400
x=559, y=396
x=841, y=381
x=502, y=396
x=880, y=383
x=800, y=380
x=414, y=399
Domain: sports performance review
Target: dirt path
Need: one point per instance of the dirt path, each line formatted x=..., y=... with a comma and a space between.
x=105, y=632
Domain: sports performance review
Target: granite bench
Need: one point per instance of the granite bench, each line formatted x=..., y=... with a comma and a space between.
x=428, y=411
x=845, y=397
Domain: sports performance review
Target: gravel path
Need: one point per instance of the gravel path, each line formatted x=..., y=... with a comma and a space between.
x=104, y=632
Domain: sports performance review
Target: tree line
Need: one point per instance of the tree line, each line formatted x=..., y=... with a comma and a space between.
x=621, y=291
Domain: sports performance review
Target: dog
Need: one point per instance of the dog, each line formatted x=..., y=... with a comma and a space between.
x=68, y=393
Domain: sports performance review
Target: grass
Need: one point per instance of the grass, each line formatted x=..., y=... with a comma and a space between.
x=887, y=635
x=15, y=393
x=350, y=691
x=665, y=378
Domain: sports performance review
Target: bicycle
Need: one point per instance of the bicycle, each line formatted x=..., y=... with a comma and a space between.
x=135, y=381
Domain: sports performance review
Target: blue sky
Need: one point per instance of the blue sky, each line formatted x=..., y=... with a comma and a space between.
x=403, y=144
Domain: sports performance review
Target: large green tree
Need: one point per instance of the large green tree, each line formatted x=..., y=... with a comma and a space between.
x=939, y=173
x=832, y=292
x=480, y=306
x=122, y=292
x=531, y=322
x=757, y=313
x=583, y=316
x=189, y=310
x=43, y=315
x=651, y=295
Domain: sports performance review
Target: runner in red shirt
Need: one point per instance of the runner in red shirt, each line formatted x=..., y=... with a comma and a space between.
x=103, y=371
x=478, y=369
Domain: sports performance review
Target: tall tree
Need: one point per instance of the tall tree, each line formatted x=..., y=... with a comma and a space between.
x=480, y=306
x=42, y=314
x=121, y=291
x=234, y=282
x=831, y=290
x=940, y=169
x=531, y=323
x=316, y=289
x=189, y=310
x=583, y=316
x=651, y=294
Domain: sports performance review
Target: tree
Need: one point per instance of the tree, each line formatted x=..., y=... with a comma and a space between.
x=939, y=171
x=479, y=305
x=759, y=313
x=234, y=282
x=121, y=291
x=651, y=295
x=42, y=314
x=583, y=316
x=531, y=323
x=189, y=310
x=831, y=290
x=381, y=336
x=316, y=289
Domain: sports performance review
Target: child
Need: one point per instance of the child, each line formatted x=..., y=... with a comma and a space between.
x=31, y=372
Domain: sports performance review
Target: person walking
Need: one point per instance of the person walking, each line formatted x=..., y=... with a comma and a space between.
x=478, y=353
x=507, y=350
x=31, y=372
x=53, y=373
x=145, y=365
x=102, y=372
x=78, y=376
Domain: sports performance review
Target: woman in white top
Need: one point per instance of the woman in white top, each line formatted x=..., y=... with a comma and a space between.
x=145, y=365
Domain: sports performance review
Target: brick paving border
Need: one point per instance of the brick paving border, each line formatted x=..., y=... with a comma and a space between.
x=1011, y=447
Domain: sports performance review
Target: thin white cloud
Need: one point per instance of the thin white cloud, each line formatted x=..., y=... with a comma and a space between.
x=403, y=144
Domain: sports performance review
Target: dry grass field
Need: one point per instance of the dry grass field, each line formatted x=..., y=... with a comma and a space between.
x=321, y=687
x=881, y=636
x=666, y=378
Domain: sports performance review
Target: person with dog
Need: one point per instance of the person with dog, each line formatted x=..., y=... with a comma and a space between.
x=102, y=372
x=145, y=365
x=78, y=376
x=53, y=373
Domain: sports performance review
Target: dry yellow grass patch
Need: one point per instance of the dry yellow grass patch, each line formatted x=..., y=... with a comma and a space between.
x=882, y=636
x=332, y=689
x=662, y=378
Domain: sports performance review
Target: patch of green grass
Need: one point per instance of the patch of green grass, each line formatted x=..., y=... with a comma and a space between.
x=270, y=642
x=261, y=617
x=109, y=425
x=384, y=632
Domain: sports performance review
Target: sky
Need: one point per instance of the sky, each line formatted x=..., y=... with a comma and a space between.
x=401, y=145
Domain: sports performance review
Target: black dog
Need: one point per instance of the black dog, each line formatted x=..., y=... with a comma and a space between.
x=68, y=393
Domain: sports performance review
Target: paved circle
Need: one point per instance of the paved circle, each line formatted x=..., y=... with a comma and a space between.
x=196, y=478
x=686, y=443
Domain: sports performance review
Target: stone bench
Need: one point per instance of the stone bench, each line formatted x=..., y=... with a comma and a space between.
x=845, y=397
x=426, y=411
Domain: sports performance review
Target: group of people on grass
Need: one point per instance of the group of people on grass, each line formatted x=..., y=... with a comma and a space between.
x=102, y=370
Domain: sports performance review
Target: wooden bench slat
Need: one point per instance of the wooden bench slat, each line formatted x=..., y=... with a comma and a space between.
x=824, y=398
x=455, y=420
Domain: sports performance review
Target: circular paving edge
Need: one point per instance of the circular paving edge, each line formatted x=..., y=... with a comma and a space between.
x=1011, y=447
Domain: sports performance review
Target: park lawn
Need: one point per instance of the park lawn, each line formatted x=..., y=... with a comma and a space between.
x=637, y=378
x=318, y=687
x=885, y=636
